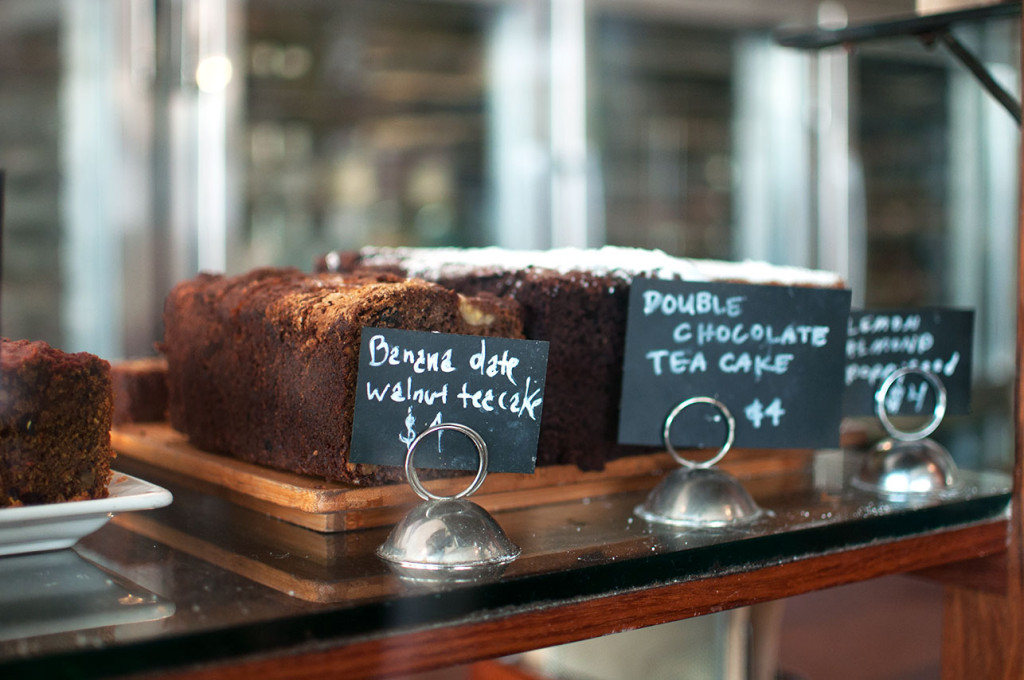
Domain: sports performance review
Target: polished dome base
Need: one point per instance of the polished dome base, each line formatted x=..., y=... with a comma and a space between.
x=699, y=497
x=897, y=469
x=445, y=540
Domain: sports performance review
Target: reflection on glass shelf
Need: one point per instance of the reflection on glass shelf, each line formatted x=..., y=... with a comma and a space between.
x=60, y=592
x=811, y=509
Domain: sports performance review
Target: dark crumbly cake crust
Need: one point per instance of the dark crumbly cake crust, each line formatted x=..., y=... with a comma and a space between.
x=55, y=414
x=583, y=317
x=140, y=390
x=262, y=366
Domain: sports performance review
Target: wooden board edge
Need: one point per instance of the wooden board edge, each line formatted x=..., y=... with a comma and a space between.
x=326, y=506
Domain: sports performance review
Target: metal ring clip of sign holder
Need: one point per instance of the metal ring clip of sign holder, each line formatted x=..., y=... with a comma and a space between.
x=907, y=465
x=447, y=538
x=697, y=494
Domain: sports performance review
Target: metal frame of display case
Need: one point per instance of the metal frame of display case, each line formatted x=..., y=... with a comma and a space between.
x=984, y=600
x=929, y=29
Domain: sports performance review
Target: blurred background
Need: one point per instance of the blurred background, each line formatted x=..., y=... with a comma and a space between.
x=145, y=140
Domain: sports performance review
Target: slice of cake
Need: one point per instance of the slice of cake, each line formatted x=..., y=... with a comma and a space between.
x=55, y=414
x=263, y=366
x=140, y=390
x=577, y=300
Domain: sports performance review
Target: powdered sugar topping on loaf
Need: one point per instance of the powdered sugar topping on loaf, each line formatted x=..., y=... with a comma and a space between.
x=619, y=262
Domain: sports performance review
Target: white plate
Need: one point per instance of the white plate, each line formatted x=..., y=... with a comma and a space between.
x=52, y=526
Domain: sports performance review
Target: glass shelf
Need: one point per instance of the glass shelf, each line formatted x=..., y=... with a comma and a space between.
x=237, y=587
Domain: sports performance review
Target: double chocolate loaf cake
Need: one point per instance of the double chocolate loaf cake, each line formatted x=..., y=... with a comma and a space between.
x=55, y=412
x=576, y=300
x=263, y=365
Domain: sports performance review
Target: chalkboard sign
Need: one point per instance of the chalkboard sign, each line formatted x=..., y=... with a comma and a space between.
x=411, y=380
x=880, y=341
x=772, y=354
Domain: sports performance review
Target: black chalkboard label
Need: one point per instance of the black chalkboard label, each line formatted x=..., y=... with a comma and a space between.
x=772, y=354
x=880, y=341
x=411, y=380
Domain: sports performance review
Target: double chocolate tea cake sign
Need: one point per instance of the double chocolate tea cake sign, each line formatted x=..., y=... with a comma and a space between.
x=410, y=381
x=772, y=354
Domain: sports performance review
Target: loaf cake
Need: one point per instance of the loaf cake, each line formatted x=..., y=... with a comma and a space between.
x=140, y=390
x=576, y=300
x=262, y=366
x=55, y=414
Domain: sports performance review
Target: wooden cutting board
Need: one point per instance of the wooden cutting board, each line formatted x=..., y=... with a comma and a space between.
x=328, y=506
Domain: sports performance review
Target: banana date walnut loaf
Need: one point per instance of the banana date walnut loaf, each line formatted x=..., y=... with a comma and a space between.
x=262, y=366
